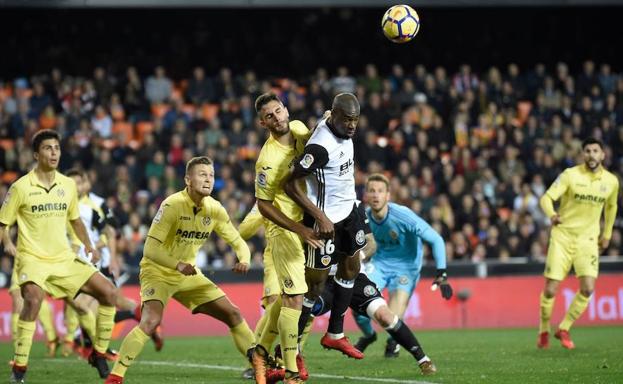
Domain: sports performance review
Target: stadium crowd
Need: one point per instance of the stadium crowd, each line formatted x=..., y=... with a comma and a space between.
x=469, y=152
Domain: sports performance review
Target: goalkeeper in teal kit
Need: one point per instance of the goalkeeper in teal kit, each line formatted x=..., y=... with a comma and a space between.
x=399, y=234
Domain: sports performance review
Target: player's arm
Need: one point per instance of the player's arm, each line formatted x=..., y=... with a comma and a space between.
x=251, y=223
x=314, y=157
x=275, y=215
x=429, y=235
x=226, y=230
x=557, y=189
x=8, y=211
x=81, y=232
x=9, y=246
x=110, y=225
x=369, y=249
x=610, y=214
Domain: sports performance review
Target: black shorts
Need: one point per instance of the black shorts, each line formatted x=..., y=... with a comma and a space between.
x=349, y=237
x=364, y=292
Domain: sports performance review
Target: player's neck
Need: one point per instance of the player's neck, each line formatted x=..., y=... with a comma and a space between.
x=45, y=176
x=595, y=170
x=195, y=197
x=381, y=213
x=287, y=139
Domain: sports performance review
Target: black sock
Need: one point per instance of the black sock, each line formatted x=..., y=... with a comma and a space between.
x=306, y=310
x=123, y=315
x=342, y=295
x=86, y=340
x=403, y=335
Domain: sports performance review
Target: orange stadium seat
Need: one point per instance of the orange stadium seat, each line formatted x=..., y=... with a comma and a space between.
x=123, y=132
x=159, y=110
x=209, y=111
x=143, y=128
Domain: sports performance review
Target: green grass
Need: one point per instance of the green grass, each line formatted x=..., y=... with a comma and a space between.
x=470, y=356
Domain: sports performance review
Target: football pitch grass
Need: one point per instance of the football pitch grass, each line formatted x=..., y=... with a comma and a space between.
x=462, y=356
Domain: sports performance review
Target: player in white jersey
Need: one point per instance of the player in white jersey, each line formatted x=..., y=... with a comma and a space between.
x=328, y=167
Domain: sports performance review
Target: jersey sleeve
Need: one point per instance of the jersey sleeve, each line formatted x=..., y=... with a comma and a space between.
x=420, y=228
x=610, y=210
x=226, y=230
x=163, y=222
x=559, y=186
x=10, y=206
x=314, y=157
x=251, y=223
x=299, y=130
x=265, y=181
x=73, y=211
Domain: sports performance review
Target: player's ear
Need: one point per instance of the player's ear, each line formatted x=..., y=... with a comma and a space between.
x=187, y=180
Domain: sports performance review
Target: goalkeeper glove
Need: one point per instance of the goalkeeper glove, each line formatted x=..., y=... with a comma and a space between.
x=441, y=281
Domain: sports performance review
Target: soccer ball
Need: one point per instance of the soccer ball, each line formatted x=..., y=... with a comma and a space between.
x=400, y=23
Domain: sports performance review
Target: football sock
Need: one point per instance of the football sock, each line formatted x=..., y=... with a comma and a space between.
x=124, y=315
x=243, y=337
x=365, y=324
x=105, y=317
x=306, y=310
x=341, y=300
x=14, y=320
x=23, y=341
x=547, y=306
x=288, y=334
x=130, y=349
x=271, y=327
x=403, y=335
x=47, y=321
x=71, y=323
x=88, y=323
x=259, y=327
x=577, y=307
x=306, y=332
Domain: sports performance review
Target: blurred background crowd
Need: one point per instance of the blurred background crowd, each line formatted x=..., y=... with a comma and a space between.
x=471, y=150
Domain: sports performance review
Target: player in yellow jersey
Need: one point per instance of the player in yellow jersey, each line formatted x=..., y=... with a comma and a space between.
x=41, y=202
x=584, y=192
x=181, y=226
x=284, y=232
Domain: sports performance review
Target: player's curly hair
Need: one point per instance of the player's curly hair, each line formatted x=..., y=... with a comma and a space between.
x=196, y=161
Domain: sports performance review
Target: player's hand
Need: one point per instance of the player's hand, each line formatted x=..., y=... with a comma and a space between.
x=556, y=219
x=311, y=237
x=441, y=281
x=603, y=244
x=241, y=268
x=325, y=228
x=115, y=269
x=95, y=254
x=186, y=269
x=9, y=249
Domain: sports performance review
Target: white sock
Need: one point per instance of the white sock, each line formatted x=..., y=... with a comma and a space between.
x=335, y=336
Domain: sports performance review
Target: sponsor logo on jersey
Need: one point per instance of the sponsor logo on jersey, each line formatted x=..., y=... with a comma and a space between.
x=36, y=193
x=307, y=160
x=48, y=207
x=261, y=179
x=345, y=167
x=183, y=218
x=200, y=235
x=589, y=198
x=325, y=260
x=360, y=237
x=369, y=290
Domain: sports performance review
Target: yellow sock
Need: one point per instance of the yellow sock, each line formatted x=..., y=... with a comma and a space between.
x=576, y=309
x=46, y=319
x=130, y=349
x=23, y=341
x=14, y=320
x=259, y=327
x=105, y=322
x=87, y=323
x=243, y=337
x=306, y=332
x=288, y=334
x=547, y=306
x=71, y=323
x=271, y=330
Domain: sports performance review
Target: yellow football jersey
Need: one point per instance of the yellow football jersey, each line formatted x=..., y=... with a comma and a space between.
x=583, y=195
x=251, y=223
x=273, y=166
x=183, y=227
x=41, y=215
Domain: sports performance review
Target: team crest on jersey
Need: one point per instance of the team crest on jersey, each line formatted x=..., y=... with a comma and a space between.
x=149, y=292
x=307, y=161
x=60, y=192
x=393, y=234
x=360, y=237
x=261, y=180
x=369, y=290
x=206, y=221
x=325, y=260
x=288, y=283
x=403, y=280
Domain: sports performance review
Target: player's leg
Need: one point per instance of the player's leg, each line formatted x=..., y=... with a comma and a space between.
x=315, y=280
x=87, y=320
x=134, y=342
x=17, y=303
x=33, y=296
x=70, y=319
x=380, y=279
x=46, y=318
x=557, y=266
x=401, y=288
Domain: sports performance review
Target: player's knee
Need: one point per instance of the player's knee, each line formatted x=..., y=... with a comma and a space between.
x=109, y=296
x=234, y=317
x=586, y=291
x=384, y=317
x=149, y=323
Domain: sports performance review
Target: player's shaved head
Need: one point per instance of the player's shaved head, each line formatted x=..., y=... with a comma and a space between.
x=347, y=103
x=344, y=115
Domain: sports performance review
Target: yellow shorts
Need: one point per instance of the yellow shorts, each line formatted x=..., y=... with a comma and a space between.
x=564, y=252
x=14, y=286
x=190, y=291
x=289, y=261
x=271, y=282
x=59, y=279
